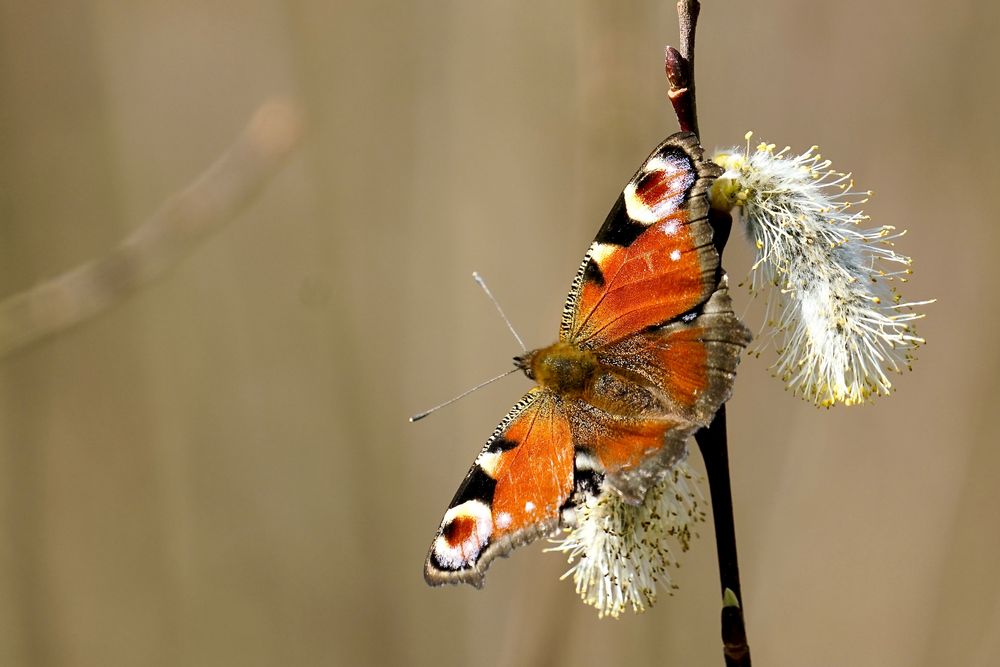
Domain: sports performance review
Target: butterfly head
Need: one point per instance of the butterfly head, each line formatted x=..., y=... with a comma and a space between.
x=523, y=362
x=563, y=368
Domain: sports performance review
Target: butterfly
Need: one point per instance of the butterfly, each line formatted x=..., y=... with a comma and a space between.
x=647, y=353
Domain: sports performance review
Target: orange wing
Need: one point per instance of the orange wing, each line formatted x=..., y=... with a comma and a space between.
x=655, y=388
x=653, y=259
x=632, y=453
x=689, y=365
x=514, y=492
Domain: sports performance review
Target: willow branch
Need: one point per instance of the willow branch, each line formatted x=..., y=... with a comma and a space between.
x=679, y=66
x=712, y=441
x=714, y=451
x=181, y=223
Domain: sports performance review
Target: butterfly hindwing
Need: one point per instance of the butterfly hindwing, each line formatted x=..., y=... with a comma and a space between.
x=653, y=258
x=686, y=368
x=690, y=363
x=513, y=494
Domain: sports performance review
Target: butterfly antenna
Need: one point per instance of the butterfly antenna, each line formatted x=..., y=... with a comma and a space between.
x=465, y=393
x=482, y=283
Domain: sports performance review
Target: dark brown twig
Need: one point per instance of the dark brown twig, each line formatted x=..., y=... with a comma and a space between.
x=712, y=441
x=680, y=93
x=679, y=66
x=188, y=217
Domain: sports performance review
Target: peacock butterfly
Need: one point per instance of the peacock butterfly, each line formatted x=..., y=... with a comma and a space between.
x=647, y=353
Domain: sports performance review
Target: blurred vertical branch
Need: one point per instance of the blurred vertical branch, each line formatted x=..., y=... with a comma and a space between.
x=180, y=224
x=712, y=441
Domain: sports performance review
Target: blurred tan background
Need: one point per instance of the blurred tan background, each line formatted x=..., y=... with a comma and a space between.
x=220, y=472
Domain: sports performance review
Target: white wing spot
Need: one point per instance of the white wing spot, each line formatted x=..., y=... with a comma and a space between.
x=659, y=164
x=503, y=520
x=585, y=461
x=669, y=227
x=600, y=252
x=636, y=208
x=488, y=462
x=529, y=506
x=675, y=255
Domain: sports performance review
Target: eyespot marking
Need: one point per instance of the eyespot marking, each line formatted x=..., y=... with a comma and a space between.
x=465, y=530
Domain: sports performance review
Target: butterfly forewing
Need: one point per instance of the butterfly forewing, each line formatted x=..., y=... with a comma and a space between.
x=653, y=258
x=513, y=493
